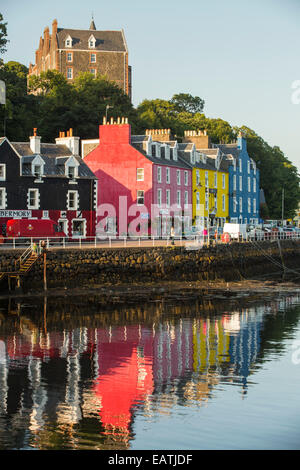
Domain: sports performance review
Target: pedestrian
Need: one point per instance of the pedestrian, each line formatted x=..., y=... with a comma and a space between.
x=172, y=235
x=34, y=248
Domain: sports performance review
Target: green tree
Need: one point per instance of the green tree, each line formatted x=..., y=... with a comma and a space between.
x=3, y=35
x=184, y=102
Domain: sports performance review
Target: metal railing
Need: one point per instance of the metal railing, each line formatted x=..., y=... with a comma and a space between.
x=133, y=241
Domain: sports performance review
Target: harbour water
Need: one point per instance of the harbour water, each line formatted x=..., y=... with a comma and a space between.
x=205, y=374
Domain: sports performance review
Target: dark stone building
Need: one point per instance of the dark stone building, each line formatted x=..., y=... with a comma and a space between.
x=70, y=51
x=47, y=181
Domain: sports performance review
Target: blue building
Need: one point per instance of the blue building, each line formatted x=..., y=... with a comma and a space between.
x=244, y=191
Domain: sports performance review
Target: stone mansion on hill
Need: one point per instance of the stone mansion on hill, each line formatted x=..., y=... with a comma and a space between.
x=71, y=51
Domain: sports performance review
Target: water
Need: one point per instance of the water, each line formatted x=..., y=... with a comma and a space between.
x=197, y=375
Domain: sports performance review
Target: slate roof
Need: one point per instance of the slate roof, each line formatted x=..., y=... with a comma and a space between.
x=105, y=40
x=229, y=149
x=54, y=156
x=180, y=163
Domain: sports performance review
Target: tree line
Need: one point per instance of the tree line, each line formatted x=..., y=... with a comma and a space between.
x=52, y=104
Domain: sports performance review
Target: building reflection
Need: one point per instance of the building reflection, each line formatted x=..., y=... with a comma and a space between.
x=62, y=382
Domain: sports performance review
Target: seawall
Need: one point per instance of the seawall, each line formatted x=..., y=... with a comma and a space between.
x=116, y=266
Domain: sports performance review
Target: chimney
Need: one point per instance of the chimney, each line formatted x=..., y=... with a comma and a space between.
x=70, y=141
x=35, y=142
x=200, y=138
x=115, y=132
x=159, y=135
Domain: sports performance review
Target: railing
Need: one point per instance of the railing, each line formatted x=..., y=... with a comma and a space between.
x=134, y=241
x=27, y=253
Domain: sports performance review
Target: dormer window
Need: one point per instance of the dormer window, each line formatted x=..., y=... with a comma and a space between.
x=71, y=172
x=92, y=42
x=71, y=169
x=68, y=41
x=37, y=168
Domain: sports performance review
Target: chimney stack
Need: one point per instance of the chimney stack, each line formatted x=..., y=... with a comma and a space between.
x=35, y=142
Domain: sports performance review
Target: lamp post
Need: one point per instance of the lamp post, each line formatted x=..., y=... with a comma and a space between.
x=282, y=206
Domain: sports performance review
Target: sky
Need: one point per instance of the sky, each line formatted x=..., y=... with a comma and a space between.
x=242, y=57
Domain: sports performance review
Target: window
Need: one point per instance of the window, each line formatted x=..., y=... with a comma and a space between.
x=175, y=154
x=159, y=174
x=140, y=198
x=197, y=200
x=140, y=174
x=159, y=197
x=72, y=200
x=93, y=58
x=168, y=175
x=168, y=198
x=249, y=204
x=163, y=152
x=249, y=184
x=234, y=182
x=215, y=180
x=206, y=200
x=240, y=164
x=69, y=73
x=248, y=166
x=153, y=150
x=241, y=204
x=223, y=181
x=179, y=198
x=254, y=185
x=234, y=204
x=63, y=226
x=254, y=205
x=78, y=228
x=241, y=183
x=206, y=179
x=37, y=170
x=70, y=57
x=186, y=198
x=186, y=178
x=33, y=199
x=68, y=42
x=92, y=41
x=93, y=72
x=171, y=153
x=234, y=165
x=223, y=203
x=197, y=178
x=2, y=198
x=178, y=177
x=2, y=172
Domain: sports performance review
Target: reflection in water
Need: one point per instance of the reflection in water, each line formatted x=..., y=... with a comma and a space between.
x=79, y=380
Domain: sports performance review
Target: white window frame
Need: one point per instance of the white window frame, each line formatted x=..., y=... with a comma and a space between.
x=248, y=166
x=93, y=56
x=3, y=198
x=141, y=196
x=197, y=177
x=178, y=176
x=140, y=174
x=223, y=181
x=186, y=178
x=69, y=60
x=234, y=204
x=240, y=165
x=168, y=198
x=254, y=185
x=186, y=198
x=223, y=203
x=234, y=182
x=65, y=224
x=254, y=206
x=178, y=198
x=241, y=204
x=215, y=179
x=249, y=184
x=240, y=182
x=159, y=197
x=168, y=175
x=159, y=173
x=76, y=205
x=206, y=179
x=249, y=205
x=70, y=75
x=37, y=198
x=3, y=167
x=197, y=200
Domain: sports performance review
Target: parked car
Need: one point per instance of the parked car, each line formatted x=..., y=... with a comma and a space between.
x=33, y=228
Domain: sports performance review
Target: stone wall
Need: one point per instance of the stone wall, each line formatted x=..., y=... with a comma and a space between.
x=109, y=266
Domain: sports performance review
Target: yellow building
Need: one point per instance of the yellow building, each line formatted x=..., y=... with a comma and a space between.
x=210, y=180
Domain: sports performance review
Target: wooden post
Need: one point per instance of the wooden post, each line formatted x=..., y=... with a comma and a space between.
x=45, y=276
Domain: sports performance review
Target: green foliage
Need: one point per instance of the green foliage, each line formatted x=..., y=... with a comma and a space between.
x=3, y=36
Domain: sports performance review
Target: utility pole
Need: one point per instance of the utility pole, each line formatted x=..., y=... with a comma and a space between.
x=282, y=207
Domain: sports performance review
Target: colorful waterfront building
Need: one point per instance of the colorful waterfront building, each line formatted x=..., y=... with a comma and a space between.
x=144, y=185
x=47, y=181
x=243, y=175
x=210, y=180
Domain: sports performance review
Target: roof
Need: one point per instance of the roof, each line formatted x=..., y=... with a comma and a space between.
x=105, y=40
x=179, y=163
x=54, y=156
x=229, y=149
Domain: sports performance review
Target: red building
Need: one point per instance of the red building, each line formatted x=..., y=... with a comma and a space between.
x=143, y=183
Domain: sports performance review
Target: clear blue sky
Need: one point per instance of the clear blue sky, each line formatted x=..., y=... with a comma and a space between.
x=241, y=57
